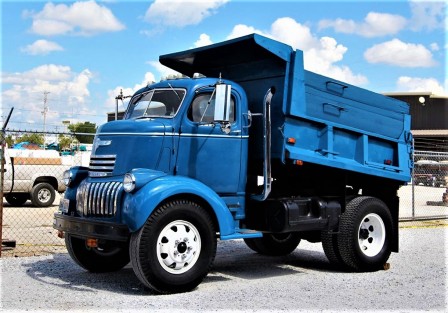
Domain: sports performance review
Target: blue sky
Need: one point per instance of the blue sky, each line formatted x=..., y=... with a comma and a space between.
x=83, y=52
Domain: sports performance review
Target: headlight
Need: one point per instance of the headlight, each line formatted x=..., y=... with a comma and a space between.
x=67, y=177
x=128, y=182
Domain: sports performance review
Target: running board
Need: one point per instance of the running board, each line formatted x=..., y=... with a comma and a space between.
x=243, y=233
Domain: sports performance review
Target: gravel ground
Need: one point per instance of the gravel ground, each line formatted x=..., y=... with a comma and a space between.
x=242, y=280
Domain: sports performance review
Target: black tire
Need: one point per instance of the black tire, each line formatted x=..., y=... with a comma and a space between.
x=331, y=249
x=250, y=242
x=175, y=249
x=43, y=195
x=16, y=199
x=366, y=230
x=274, y=244
x=110, y=256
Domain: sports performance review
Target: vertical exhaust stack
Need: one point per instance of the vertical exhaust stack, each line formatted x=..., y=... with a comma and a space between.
x=267, y=179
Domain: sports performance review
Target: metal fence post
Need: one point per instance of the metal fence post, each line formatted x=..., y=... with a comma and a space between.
x=2, y=172
x=413, y=180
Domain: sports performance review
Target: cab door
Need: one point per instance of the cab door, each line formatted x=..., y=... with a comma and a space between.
x=207, y=152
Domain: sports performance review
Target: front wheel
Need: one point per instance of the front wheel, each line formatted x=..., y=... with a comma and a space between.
x=175, y=248
x=43, y=195
x=274, y=244
x=109, y=256
x=366, y=231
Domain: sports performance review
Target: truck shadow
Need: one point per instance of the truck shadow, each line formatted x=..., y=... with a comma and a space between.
x=234, y=260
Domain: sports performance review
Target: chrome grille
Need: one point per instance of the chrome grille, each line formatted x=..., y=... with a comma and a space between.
x=98, y=199
x=101, y=165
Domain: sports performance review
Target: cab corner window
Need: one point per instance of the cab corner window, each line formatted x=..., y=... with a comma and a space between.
x=203, y=108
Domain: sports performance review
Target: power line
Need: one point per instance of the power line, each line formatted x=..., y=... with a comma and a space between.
x=48, y=132
x=61, y=113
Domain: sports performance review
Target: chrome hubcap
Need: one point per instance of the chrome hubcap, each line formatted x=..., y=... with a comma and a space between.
x=371, y=235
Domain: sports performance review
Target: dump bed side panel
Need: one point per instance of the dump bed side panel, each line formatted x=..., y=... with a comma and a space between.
x=343, y=126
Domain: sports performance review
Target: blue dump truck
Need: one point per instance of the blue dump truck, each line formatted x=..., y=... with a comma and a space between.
x=251, y=147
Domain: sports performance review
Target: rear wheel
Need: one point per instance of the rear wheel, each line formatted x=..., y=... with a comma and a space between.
x=16, y=199
x=43, y=195
x=175, y=248
x=366, y=231
x=109, y=256
x=274, y=244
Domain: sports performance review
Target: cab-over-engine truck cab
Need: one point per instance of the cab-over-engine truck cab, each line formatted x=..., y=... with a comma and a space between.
x=265, y=151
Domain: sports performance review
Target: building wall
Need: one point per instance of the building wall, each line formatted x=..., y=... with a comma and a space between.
x=432, y=115
x=111, y=116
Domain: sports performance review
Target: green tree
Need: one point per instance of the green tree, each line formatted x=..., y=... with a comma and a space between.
x=9, y=140
x=32, y=138
x=86, y=127
x=64, y=142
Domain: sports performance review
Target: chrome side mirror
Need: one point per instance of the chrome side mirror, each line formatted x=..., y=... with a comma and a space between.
x=222, y=103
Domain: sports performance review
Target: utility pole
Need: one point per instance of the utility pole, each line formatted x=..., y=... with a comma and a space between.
x=44, y=112
x=119, y=97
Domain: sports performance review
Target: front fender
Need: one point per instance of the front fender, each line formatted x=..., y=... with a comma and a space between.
x=138, y=206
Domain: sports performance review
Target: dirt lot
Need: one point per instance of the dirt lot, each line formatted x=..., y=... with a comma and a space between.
x=243, y=281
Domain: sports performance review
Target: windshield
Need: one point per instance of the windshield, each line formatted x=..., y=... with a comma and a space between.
x=156, y=103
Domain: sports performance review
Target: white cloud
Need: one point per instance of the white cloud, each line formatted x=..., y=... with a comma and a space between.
x=434, y=46
x=180, y=13
x=243, y=30
x=295, y=34
x=428, y=15
x=398, y=53
x=374, y=25
x=320, y=54
x=80, y=18
x=425, y=15
x=321, y=60
x=406, y=83
x=162, y=69
x=68, y=92
x=204, y=40
x=41, y=47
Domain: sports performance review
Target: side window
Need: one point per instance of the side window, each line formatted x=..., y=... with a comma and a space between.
x=203, y=111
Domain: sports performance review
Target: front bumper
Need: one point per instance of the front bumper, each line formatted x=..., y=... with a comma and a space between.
x=82, y=227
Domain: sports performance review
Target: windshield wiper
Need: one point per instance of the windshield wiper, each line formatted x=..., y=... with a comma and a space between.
x=175, y=92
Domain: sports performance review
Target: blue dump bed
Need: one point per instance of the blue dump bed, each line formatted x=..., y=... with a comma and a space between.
x=333, y=123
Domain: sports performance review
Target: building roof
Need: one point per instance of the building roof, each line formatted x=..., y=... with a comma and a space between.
x=429, y=132
x=416, y=93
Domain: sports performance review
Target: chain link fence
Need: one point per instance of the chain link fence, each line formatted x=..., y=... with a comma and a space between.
x=426, y=197
x=28, y=211
x=32, y=189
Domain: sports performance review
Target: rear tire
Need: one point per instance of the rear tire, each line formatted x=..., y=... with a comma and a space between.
x=331, y=249
x=175, y=249
x=274, y=244
x=43, y=195
x=108, y=257
x=366, y=230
